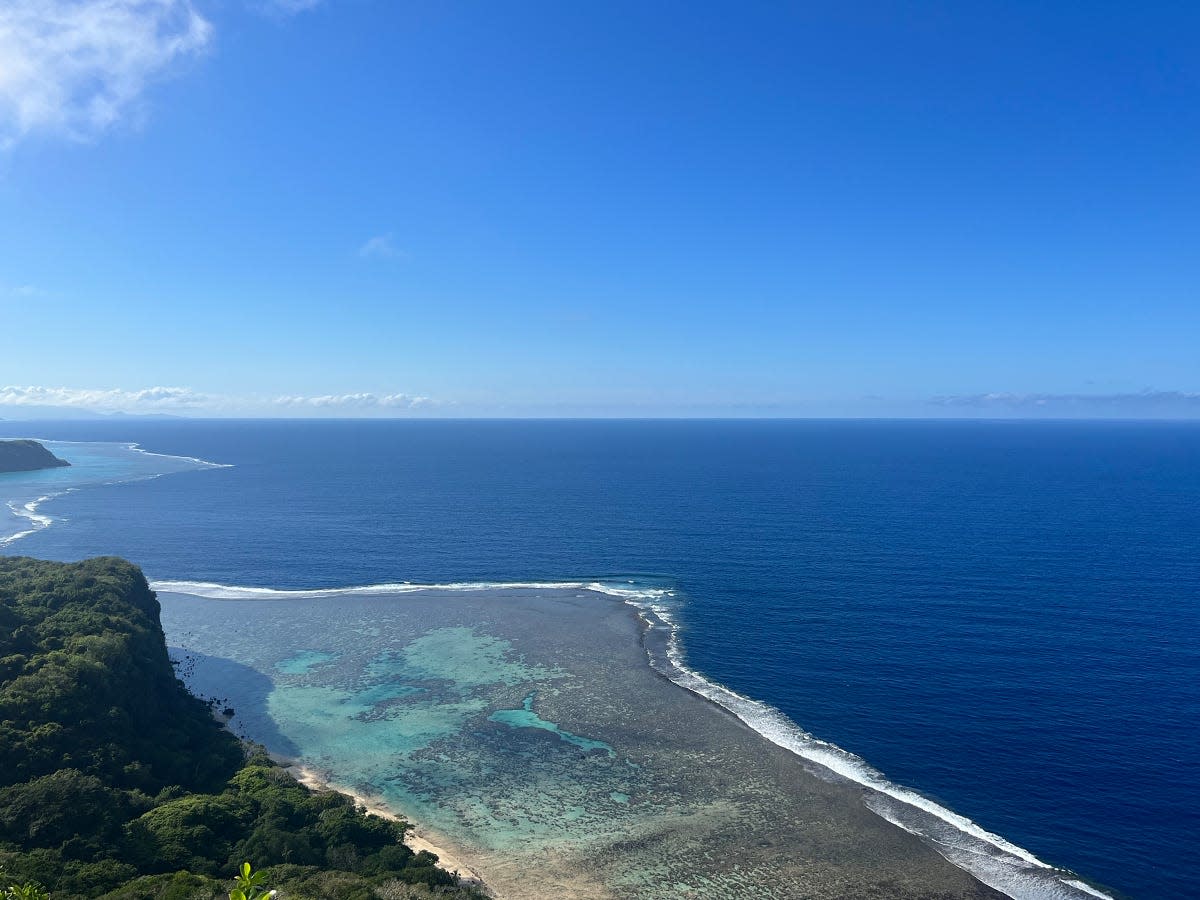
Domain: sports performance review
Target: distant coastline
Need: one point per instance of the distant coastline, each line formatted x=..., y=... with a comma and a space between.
x=27, y=456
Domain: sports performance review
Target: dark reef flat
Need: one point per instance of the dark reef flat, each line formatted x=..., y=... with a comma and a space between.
x=27, y=456
x=526, y=732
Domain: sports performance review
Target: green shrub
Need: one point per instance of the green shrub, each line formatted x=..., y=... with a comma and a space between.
x=173, y=886
x=196, y=832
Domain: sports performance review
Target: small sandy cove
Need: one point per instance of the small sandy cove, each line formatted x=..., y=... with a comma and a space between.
x=313, y=780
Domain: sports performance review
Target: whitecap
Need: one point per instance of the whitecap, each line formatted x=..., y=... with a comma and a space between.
x=29, y=512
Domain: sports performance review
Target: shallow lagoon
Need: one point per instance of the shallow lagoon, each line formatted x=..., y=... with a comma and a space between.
x=526, y=729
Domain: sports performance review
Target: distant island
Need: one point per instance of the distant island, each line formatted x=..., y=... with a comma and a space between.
x=27, y=456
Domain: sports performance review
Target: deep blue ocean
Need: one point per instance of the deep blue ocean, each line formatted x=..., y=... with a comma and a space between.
x=1002, y=615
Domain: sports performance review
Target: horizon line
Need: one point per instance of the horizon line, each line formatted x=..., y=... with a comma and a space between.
x=167, y=417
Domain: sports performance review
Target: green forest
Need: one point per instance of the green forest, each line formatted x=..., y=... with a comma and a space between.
x=115, y=782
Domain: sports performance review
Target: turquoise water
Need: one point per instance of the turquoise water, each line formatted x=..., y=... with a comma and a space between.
x=27, y=498
x=526, y=728
x=525, y=717
x=384, y=696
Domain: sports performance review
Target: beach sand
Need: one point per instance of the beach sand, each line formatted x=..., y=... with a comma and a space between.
x=447, y=859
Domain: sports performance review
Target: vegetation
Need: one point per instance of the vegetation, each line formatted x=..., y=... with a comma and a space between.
x=249, y=885
x=115, y=782
x=27, y=456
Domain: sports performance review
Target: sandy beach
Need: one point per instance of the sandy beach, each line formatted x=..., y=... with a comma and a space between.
x=447, y=859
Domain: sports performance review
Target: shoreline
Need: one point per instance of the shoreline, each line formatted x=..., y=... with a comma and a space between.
x=449, y=860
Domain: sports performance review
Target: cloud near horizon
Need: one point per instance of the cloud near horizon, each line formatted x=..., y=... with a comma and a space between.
x=1134, y=403
x=154, y=399
x=185, y=401
x=356, y=401
x=36, y=401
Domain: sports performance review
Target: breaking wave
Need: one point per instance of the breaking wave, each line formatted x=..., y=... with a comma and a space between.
x=213, y=591
x=27, y=510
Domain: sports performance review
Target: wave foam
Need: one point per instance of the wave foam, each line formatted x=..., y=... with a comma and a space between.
x=206, y=463
x=990, y=858
x=996, y=862
x=214, y=591
x=136, y=448
x=29, y=510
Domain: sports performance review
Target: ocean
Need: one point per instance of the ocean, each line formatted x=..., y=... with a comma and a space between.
x=1000, y=616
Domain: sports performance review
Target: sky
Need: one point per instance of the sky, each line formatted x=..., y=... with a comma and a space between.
x=391, y=208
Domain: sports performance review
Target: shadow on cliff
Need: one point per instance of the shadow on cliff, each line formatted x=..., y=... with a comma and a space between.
x=234, y=685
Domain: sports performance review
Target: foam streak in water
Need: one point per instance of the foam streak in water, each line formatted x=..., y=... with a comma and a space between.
x=214, y=591
x=29, y=509
x=208, y=464
x=995, y=861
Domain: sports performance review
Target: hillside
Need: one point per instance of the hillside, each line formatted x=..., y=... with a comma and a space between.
x=116, y=782
x=27, y=456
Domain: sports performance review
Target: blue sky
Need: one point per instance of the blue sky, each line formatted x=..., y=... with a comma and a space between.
x=373, y=207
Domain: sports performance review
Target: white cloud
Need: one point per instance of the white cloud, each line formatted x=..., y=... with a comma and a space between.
x=1148, y=402
x=185, y=401
x=379, y=247
x=155, y=399
x=74, y=67
x=356, y=401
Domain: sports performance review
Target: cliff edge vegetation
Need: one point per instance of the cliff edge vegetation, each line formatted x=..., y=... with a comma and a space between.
x=115, y=782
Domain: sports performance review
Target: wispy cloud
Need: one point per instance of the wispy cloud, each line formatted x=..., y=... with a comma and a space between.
x=355, y=402
x=382, y=246
x=289, y=6
x=1136, y=403
x=15, y=399
x=74, y=67
x=20, y=290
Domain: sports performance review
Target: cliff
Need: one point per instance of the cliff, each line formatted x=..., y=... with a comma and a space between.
x=116, y=782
